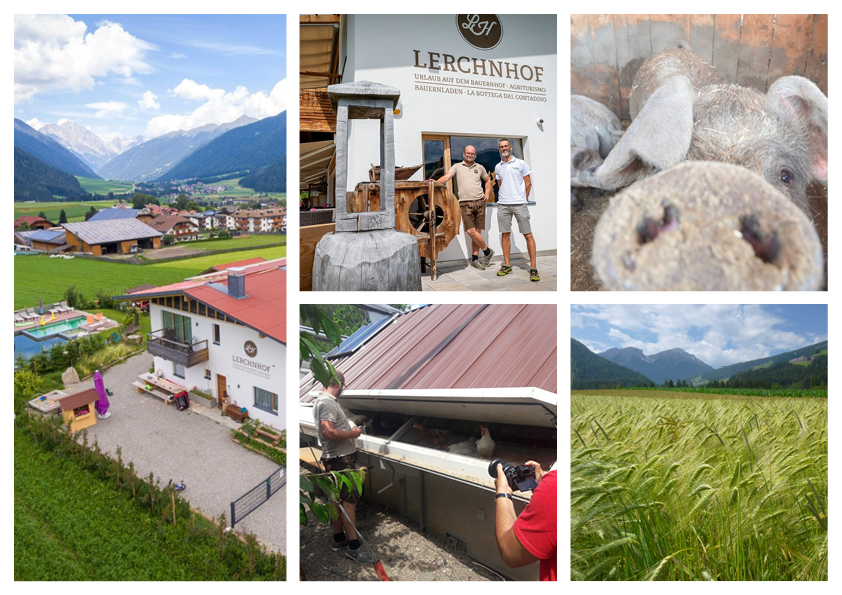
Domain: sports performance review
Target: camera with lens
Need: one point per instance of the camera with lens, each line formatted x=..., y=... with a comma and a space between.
x=521, y=478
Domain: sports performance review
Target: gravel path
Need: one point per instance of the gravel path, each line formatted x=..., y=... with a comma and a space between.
x=406, y=553
x=184, y=446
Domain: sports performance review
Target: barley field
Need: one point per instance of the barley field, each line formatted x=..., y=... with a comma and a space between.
x=682, y=488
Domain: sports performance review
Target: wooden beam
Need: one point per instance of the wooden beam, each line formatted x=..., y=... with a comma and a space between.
x=309, y=237
x=319, y=19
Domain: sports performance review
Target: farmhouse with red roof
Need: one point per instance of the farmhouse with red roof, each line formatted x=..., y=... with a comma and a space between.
x=225, y=334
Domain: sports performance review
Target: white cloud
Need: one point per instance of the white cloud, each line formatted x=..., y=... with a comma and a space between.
x=718, y=334
x=218, y=106
x=107, y=109
x=177, y=56
x=55, y=52
x=149, y=102
x=232, y=48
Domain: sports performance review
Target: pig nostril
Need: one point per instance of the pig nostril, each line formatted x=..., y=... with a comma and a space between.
x=649, y=229
x=766, y=247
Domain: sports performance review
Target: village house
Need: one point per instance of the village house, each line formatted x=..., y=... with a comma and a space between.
x=224, y=333
x=115, y=236
x=48, y=240
x=179, y=228
x=33, y=222
x=258, y=220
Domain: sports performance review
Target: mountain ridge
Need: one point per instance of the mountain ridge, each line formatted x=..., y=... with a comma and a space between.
x=155, y=157
x=49, y=151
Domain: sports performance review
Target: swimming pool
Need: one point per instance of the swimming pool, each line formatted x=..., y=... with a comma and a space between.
x=28, y=347
x=56, y=327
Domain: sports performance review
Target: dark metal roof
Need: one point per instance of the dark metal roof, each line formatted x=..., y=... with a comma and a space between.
x=112, y=230
x=448, y=346
x=52, y=236
x=358, y=338
x=111, y=214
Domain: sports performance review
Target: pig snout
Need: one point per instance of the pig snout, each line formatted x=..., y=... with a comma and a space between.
x=706, y=226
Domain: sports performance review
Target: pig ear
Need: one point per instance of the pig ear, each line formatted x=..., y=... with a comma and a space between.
x=580, y=158
x=799, y=101
x=592, y=140
x=657, y=139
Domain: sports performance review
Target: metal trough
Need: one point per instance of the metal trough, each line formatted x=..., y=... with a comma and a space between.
x=450, y=495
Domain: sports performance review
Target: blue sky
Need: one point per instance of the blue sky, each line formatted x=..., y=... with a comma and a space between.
x=128, y=75
x=718, y=334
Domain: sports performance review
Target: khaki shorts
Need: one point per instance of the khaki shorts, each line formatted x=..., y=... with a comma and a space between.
x=340, y=464
x=520, y=212
x=473, y=214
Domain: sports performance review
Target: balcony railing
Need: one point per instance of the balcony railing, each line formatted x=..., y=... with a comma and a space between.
x=163, y=344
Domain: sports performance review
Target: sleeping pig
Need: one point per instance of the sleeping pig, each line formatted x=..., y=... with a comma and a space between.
x=682, y=109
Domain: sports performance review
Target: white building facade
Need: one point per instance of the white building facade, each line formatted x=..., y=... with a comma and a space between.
x=248, y=366
x=462, y=82
x=223, y=334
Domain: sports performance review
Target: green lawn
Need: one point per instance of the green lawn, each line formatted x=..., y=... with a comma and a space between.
x=74, y=210
x=234, y=190
x=48, y=278
x=100, y=186
x=72, y=525
x=244, y=243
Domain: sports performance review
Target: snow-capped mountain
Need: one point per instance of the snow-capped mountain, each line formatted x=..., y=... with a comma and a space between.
x=122, y=144
x=85, y=144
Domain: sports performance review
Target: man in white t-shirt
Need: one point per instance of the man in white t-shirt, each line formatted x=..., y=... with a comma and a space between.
x=513, y=177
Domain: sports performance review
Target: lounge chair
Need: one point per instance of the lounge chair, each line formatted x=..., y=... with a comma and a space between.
x=64, y=307
x=19, y=318
x=30, y=314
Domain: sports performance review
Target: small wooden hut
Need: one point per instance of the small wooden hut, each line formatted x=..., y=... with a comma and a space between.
x=78, y=411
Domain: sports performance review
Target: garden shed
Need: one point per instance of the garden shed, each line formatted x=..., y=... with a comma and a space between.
x=77, y=410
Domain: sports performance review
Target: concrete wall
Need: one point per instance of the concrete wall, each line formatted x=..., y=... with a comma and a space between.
x=228, y=359
x=527, y=40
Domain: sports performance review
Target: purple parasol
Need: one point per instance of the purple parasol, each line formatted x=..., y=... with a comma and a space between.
x=102, y=404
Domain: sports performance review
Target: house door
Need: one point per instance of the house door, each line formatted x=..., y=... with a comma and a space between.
x=221, y=387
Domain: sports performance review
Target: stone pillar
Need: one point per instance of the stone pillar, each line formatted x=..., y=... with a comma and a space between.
x=366, y=253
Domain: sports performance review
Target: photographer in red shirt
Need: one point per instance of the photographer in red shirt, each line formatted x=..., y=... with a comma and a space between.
x=532, y=536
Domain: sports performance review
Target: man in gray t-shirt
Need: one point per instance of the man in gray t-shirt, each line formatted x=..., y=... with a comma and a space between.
x=337, y=434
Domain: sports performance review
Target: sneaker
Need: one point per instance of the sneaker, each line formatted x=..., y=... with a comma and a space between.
x=477, y=264
x=486, y=259
x=360, y=555
x=339, y=544
x=533, y=275
x=504, y=270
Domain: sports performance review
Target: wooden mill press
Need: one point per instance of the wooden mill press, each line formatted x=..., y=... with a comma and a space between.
x=426, y=210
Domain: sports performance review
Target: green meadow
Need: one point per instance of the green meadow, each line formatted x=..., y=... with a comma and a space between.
x=48, y=278
x=75, y=210
x=682, y=488
x=100, y=186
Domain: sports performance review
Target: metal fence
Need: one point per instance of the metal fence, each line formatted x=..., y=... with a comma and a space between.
x=251, y=500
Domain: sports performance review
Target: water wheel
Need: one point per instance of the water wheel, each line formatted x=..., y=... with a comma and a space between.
x=430, y=212
x=433, y=221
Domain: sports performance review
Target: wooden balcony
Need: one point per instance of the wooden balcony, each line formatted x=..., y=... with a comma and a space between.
x=162, y=344
x=315, y=113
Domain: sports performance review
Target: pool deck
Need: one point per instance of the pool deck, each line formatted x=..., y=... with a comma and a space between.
x=59, y=318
